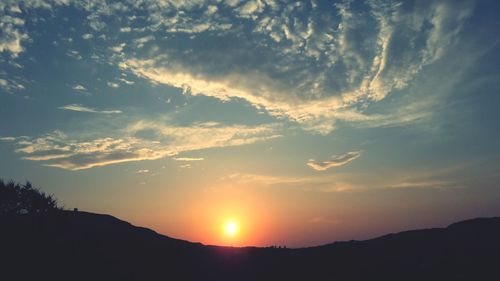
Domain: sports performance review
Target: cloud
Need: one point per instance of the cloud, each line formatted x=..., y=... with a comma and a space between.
x=188, y=159
x=87, y=36
x=337, y=161
x=113, y=84
x=128, y=82
x=7, y=139
x=79, y=87
x=265, y=180
x=74, y=54
x=352, y=182
x=143, y=40
x=313, y=63
x=12, y=33
x=15, y=9
x=303, y=61
x=81, y=108
x=423, y=184
x=143, y=140
x=142, y=171
x=316, y=183
x=250, y=9
x=118, y=48
x=11, y=85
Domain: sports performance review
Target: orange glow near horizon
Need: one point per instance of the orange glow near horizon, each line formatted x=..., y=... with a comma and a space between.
x=227, y=216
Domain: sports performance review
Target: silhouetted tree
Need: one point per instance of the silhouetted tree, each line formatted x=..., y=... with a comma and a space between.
x=24, y=199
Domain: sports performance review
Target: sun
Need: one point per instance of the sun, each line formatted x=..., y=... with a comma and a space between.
x=231, y=228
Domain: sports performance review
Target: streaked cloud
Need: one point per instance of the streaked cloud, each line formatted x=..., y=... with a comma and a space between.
x=143, y=140
x=336, y=161
x=265, y=180
x=128, y=82
x=7, y=139
x=81, y=108
x=415, y=183
x=188, y=159
x=11, y=85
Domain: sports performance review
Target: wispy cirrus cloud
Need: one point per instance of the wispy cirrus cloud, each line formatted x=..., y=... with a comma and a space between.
x=419, y=183
x=336, y=161
x=323, y=183
x=81, y=108
x=7, y=139
x=265, y=180
x=143, y=140
x=189, y=158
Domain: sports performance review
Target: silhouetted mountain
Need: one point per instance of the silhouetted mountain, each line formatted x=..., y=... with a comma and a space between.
x=68, y=245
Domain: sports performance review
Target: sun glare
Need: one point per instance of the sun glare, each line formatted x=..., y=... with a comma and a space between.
x=231, y=228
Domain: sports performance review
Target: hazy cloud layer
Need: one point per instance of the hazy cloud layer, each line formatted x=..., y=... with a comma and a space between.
x=350, y=182
x=336, y=161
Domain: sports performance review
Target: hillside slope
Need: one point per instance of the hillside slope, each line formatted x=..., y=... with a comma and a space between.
x=85, y=246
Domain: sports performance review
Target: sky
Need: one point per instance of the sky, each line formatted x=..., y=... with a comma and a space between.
x=303, y=122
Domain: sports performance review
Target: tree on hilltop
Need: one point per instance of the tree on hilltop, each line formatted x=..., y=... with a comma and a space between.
x=24, y=199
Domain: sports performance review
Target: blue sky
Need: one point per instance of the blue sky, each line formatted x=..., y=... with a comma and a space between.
x=331, y=114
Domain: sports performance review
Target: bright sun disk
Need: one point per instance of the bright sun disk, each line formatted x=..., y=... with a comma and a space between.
x=231, y=228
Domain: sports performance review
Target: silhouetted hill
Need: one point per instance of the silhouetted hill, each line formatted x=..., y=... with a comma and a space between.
x=83, y=246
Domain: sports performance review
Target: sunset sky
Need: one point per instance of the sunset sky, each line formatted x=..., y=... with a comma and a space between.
x=303, y=123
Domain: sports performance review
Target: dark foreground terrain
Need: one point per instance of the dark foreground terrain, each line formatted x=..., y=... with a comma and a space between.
x=83, y=246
